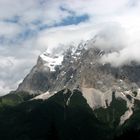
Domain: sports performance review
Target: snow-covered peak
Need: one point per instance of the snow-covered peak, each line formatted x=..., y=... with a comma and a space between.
x=52, y=60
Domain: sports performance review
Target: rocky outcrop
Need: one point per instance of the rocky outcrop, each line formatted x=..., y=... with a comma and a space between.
x=81, y=68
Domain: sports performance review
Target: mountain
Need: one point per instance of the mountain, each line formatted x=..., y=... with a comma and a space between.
x=77, y=96
x=80, y=67
x=52, y=119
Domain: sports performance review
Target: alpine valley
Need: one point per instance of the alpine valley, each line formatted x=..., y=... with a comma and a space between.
x=74, y=95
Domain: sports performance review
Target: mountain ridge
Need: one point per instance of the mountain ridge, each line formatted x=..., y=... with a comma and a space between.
x=112, y=94
x=80, y=67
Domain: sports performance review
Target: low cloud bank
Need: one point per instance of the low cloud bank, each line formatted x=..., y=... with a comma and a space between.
x=123, y=44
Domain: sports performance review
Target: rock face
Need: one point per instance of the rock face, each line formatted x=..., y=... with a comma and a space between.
x=37, y=80
x=81, y=68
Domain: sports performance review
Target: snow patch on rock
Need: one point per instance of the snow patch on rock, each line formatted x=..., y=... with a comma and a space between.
x=51, y=60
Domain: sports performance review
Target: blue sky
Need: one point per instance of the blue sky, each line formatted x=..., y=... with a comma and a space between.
x=32, y=28
x=29, y=27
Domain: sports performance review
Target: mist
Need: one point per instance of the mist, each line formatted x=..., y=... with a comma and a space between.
x=30, y=28
x=122, y=45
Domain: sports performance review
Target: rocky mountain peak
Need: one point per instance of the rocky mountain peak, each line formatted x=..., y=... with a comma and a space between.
x=81, y=67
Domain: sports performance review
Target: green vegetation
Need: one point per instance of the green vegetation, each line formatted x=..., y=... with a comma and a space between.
x=54, y=119
x=14, y=98
x=111, y=115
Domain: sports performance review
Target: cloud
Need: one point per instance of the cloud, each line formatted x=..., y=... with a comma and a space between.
x=30, y=27
x=9, y=29
x=124, y=57
x=14, y=65
x=129, y=53
x=51, y=38
x=110, y=36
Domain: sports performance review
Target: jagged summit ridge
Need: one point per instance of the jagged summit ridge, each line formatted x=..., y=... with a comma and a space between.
x=81, y=67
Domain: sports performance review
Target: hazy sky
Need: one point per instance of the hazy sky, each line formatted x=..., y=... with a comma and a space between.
x=29, y=27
